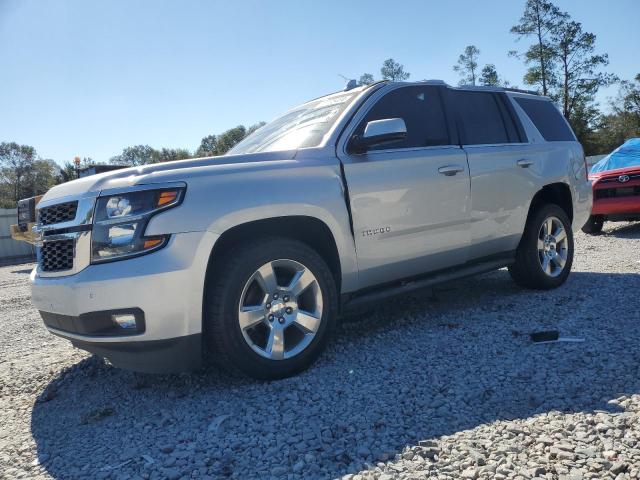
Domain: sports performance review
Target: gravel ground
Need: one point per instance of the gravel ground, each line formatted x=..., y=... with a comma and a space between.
x=440, y=385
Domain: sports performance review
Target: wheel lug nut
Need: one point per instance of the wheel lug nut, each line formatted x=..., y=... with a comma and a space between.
x=286, y=298
x=270, y=317
x=289, y=310
x=280, y=319
x=275, y=296
x=268, y=305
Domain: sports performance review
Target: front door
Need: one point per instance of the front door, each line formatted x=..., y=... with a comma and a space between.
x=410, y=199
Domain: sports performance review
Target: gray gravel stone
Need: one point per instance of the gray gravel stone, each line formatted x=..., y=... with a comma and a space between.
x=443, y=385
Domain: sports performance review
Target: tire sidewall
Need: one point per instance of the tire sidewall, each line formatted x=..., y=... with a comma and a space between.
x=240, y=353
x=542, y=279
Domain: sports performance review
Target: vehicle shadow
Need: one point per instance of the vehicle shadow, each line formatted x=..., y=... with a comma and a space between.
x=376, y=390
x=627, y=230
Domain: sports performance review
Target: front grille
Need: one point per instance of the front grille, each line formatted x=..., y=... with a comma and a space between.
x=57, y=255
x=615, y=178
x=62, y=212
x=617, y=192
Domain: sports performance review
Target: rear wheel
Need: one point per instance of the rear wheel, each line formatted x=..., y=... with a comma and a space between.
x=594, y=225
x=270, y=309
x=545, y=254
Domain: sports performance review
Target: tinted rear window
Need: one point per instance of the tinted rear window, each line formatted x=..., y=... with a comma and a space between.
x=547, y=119
x=482, y=119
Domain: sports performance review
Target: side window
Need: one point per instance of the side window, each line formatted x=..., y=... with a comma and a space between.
x=482, y=119
x=547, y=119
x=515, y=132
x=422, y=111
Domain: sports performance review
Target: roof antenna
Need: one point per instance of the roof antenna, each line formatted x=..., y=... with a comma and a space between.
x=351, y=83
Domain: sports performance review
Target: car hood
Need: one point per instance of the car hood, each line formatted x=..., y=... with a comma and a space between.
x=615, y=172
x=179, y=170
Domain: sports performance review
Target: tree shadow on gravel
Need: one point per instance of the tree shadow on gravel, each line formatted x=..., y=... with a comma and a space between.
x=414, y=369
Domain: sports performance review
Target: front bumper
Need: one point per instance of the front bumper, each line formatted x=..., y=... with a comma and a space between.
x=617, y=206
x=166, y=286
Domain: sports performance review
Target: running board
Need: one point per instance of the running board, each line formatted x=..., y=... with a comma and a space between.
x=359, y=299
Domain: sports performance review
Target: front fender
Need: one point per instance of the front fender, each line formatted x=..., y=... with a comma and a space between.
x=293, y=188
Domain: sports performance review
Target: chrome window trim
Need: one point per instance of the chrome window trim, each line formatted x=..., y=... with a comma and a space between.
x=480, y=145
x=406, y=149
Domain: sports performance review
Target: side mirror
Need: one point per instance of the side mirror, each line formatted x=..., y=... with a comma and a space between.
x=379, y=132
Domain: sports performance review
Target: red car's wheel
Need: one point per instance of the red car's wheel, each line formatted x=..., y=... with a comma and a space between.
x=594, y=225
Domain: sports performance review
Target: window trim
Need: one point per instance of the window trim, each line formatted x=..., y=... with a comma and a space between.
x=522, y=134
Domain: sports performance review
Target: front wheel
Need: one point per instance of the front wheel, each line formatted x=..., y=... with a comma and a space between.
x=594, y=225
x=545, y=254
x=270, y=309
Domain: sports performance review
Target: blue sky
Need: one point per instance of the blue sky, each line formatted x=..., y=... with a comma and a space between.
x=91, y=77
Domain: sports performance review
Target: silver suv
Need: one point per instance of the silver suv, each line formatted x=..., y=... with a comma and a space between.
x=247, y=259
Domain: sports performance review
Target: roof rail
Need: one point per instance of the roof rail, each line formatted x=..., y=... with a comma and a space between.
x=519, y=90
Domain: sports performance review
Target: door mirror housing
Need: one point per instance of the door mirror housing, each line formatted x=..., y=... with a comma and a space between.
x=379, y=132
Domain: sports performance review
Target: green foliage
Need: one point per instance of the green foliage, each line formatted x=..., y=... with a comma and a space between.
x=213, y=145
x=579, y=68
x=23, y=174
x=539, y=20
x=134, y=156
x=392, y=70
x=489, y=76
x=467, y=66
x=365, y=79
x=170, y=154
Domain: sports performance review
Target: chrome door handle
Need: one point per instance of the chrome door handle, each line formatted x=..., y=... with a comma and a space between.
x=524, y=163
x=450, y=170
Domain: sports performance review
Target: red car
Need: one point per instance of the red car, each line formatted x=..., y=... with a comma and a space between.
x=616, y=187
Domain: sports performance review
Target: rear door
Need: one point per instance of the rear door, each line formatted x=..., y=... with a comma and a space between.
x=410, y=199
x=505, y=172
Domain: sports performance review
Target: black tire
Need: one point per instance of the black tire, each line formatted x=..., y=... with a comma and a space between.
x=527, y=271
x=594, y=225
x=224, y=342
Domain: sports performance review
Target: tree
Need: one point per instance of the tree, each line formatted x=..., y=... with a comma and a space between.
x=227, y=140
x=489, y=76
x=254, y=127
x=44, y=175
x=579, y=68
x=468, y=65
x=213, y=145
x=623, y=123
x=16, y=162
x=540, y=20
x=629, y=98
x=365, y=79
x=134, y=156
x=392, y=70
x=170, y=154
x=208, y=146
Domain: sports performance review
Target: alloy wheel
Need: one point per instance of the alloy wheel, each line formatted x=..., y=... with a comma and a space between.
x=280, y=309
x=552, y=246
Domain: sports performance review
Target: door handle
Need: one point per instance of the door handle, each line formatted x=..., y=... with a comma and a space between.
x=450, y=170
x=524, y=163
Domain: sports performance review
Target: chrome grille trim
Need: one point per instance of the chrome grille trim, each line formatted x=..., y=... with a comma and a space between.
x=61, y=212
x=49, y=266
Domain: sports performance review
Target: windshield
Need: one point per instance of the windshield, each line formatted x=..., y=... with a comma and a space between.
x=302, y=126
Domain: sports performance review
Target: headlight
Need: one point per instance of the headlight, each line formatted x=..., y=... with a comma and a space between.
x=120, y=221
